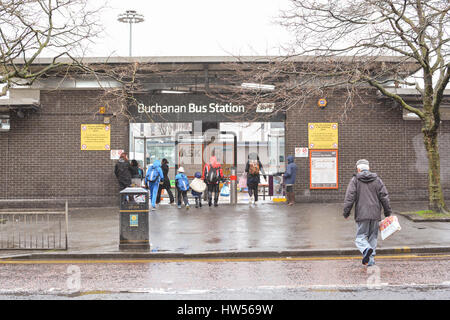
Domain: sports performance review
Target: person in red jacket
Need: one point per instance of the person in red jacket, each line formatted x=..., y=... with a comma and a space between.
x=213, y=175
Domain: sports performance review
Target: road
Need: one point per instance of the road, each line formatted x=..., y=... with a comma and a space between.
x=393, y=277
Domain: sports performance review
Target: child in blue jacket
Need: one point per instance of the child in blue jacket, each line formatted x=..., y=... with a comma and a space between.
x=182, y=185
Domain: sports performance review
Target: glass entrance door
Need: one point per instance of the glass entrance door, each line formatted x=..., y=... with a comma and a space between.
x=193, y=151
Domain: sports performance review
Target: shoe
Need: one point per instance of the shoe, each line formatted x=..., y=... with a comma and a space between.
x=367, y=254
x=179, y=207
x=187, y=207
x=250, y=200
x=216, y=205
x=209, y=204
x=153, y=209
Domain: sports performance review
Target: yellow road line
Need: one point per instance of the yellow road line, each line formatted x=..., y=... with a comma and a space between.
x=167, y=260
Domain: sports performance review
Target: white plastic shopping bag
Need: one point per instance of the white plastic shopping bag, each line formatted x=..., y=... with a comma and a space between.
x=388, y=226
x=198, y=185
x=225, y=192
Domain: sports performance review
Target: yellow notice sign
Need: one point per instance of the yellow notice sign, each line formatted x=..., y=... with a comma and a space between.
x=95, y=137
x=323, y=135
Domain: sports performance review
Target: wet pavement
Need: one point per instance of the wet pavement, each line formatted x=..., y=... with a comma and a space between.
x=403, y=277
x=243, y=228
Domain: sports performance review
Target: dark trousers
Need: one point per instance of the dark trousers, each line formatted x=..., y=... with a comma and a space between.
x=182, y=194
x=166, y=186
x=253, y=189
x=213, y=188
x=198, y=201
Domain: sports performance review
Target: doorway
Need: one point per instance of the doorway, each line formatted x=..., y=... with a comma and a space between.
x=230, y=142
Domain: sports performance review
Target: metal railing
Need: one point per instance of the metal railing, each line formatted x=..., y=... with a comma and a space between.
x=31, y=229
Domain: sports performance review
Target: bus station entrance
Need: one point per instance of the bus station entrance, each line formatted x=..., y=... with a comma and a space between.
x=191, y=144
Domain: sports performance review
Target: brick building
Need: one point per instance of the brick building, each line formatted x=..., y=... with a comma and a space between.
x=43, y=157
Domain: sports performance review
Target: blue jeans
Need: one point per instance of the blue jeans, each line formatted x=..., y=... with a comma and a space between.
x=153, y=187
x=366, y=237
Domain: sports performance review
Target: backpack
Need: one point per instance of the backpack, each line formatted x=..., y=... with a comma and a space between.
x=183, y=183
x=213, y=174
x=152, y=175
x=253, y=167
x=141, y=173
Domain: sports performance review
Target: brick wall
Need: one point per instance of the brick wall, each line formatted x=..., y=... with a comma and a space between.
x=41, y=155
x=373, y=130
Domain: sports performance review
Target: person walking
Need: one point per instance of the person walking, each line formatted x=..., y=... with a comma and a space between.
x=165, y=184
x=122, y=170
x=152, y=178
x=369, y=194
x=213, y=175
x=182, y=185
x=136, y=174
x=197, y=189
x=253, y=168
x=289, y=180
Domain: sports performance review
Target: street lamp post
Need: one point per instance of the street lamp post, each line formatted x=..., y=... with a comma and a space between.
x=130, y=17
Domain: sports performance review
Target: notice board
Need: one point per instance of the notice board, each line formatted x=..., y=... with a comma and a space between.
x=323, y=135
x=95, y=137
x=323, y=169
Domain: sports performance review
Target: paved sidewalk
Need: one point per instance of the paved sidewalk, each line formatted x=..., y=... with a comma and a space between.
x=243, y=230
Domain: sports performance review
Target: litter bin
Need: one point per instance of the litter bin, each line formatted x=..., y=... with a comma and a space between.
x=134, y=226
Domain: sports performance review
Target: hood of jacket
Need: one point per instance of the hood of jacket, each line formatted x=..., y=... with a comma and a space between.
x=213, y=162
x=290, y=159
x=366, y=176
x=156, y=164
x=253, y=156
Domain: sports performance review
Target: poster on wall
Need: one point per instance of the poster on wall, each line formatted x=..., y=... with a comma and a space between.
x=323, y=135
x=115, y=154
x=301, y=152
x=95, y=137
x=323, y=169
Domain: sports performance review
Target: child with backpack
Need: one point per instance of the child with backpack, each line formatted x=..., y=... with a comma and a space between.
x=197, y=189
x=182, y=185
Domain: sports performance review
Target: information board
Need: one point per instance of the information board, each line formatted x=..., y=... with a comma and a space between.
x=323, y=135
x=323, y=169
x=95, y=137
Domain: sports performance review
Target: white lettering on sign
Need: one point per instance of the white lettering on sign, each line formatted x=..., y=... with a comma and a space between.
x=192, y=108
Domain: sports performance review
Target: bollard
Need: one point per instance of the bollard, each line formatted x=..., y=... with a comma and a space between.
x=233, y=186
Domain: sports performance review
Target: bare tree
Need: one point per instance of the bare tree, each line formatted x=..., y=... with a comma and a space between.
x=360, y=44
x=30, y=29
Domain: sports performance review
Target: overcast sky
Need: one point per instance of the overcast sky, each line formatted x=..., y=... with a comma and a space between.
x=194, y=28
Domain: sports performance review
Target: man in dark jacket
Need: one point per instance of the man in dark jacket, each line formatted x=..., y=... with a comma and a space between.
x=289, y=180
x=122, y=171
x=369, y=194
x=165, y=184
